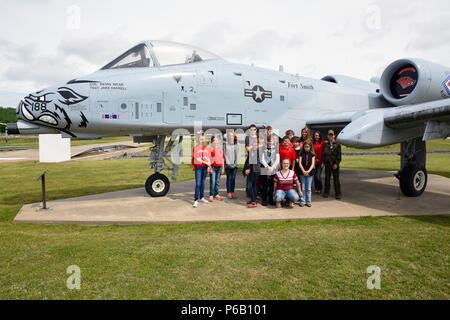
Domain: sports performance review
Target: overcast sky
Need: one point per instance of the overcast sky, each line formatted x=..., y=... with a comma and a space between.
x=45, y=42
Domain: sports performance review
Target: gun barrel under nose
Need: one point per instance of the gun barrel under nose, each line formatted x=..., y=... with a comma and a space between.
x=24, y=127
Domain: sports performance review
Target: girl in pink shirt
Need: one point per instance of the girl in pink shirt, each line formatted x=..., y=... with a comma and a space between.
x=217, y=168
x=201, y=162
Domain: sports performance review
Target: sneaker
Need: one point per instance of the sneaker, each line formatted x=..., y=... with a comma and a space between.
x=325, y=195
x=301, y=204
x=204, y=200
x=338, y=197
x=264, y=203
x=308, y=205
x=195, y=205
x=229, y=195
x=233, y=195
x=252, y=205
x=211, y=199
x=278, y=204
x=291, y=204
x=219, y=198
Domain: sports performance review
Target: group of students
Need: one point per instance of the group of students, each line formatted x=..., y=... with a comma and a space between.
x=274, y=173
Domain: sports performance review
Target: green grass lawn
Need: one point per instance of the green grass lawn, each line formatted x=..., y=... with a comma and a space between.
x=72, y=179
x=436, y=163
x=274, y=260
x=24, y=141
x=432, y=145
x=33, y=142
x=277, y=260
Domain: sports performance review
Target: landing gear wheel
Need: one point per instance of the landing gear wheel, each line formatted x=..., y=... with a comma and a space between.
x=157, y=185
x=413, y=180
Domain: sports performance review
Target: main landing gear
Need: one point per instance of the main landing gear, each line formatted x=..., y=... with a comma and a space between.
x=157, y=185
x=413, y=176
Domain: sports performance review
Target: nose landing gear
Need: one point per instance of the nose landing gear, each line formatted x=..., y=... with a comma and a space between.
x=157, y=185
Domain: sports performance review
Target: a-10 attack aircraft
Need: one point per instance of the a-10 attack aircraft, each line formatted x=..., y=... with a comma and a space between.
x=156, y=87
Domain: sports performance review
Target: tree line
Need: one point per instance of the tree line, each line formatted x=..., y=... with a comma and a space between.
x=7, y=115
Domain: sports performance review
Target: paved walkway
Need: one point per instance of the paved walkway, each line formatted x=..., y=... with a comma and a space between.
x=365, y=193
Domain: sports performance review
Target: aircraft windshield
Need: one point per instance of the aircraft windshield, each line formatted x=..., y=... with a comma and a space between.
x=136, y=57
x=170, y=53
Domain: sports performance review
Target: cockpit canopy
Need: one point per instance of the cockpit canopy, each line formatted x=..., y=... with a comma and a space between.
x=159, y=54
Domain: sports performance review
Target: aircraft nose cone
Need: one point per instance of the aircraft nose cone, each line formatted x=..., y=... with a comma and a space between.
x=24, y=110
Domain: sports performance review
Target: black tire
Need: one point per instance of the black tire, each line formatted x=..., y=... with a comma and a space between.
x=413, y=180
x=157, y=185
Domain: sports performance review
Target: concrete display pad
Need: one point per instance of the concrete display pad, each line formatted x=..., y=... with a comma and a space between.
x=365, y=193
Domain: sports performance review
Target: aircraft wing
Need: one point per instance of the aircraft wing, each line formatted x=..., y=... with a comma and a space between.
x=435, y=114
x=385, y=126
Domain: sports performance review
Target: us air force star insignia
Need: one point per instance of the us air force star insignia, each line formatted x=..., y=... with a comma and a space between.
x=258, y=93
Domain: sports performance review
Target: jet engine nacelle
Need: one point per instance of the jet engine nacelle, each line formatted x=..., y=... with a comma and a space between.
x=412, y=81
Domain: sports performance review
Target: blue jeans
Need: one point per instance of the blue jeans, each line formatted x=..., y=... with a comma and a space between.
x=200, y=177
x=214, y=181
x=252, y=178
x=291, y=194
x=318, y=178
x=231, y=179
x=306, y=182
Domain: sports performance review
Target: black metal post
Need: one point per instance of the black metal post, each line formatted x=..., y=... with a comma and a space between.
x=44, y=203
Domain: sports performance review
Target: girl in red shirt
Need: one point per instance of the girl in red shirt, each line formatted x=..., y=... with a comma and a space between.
x=318, y=149
x=217, y=168
x=287, y=152
x=201, y=162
